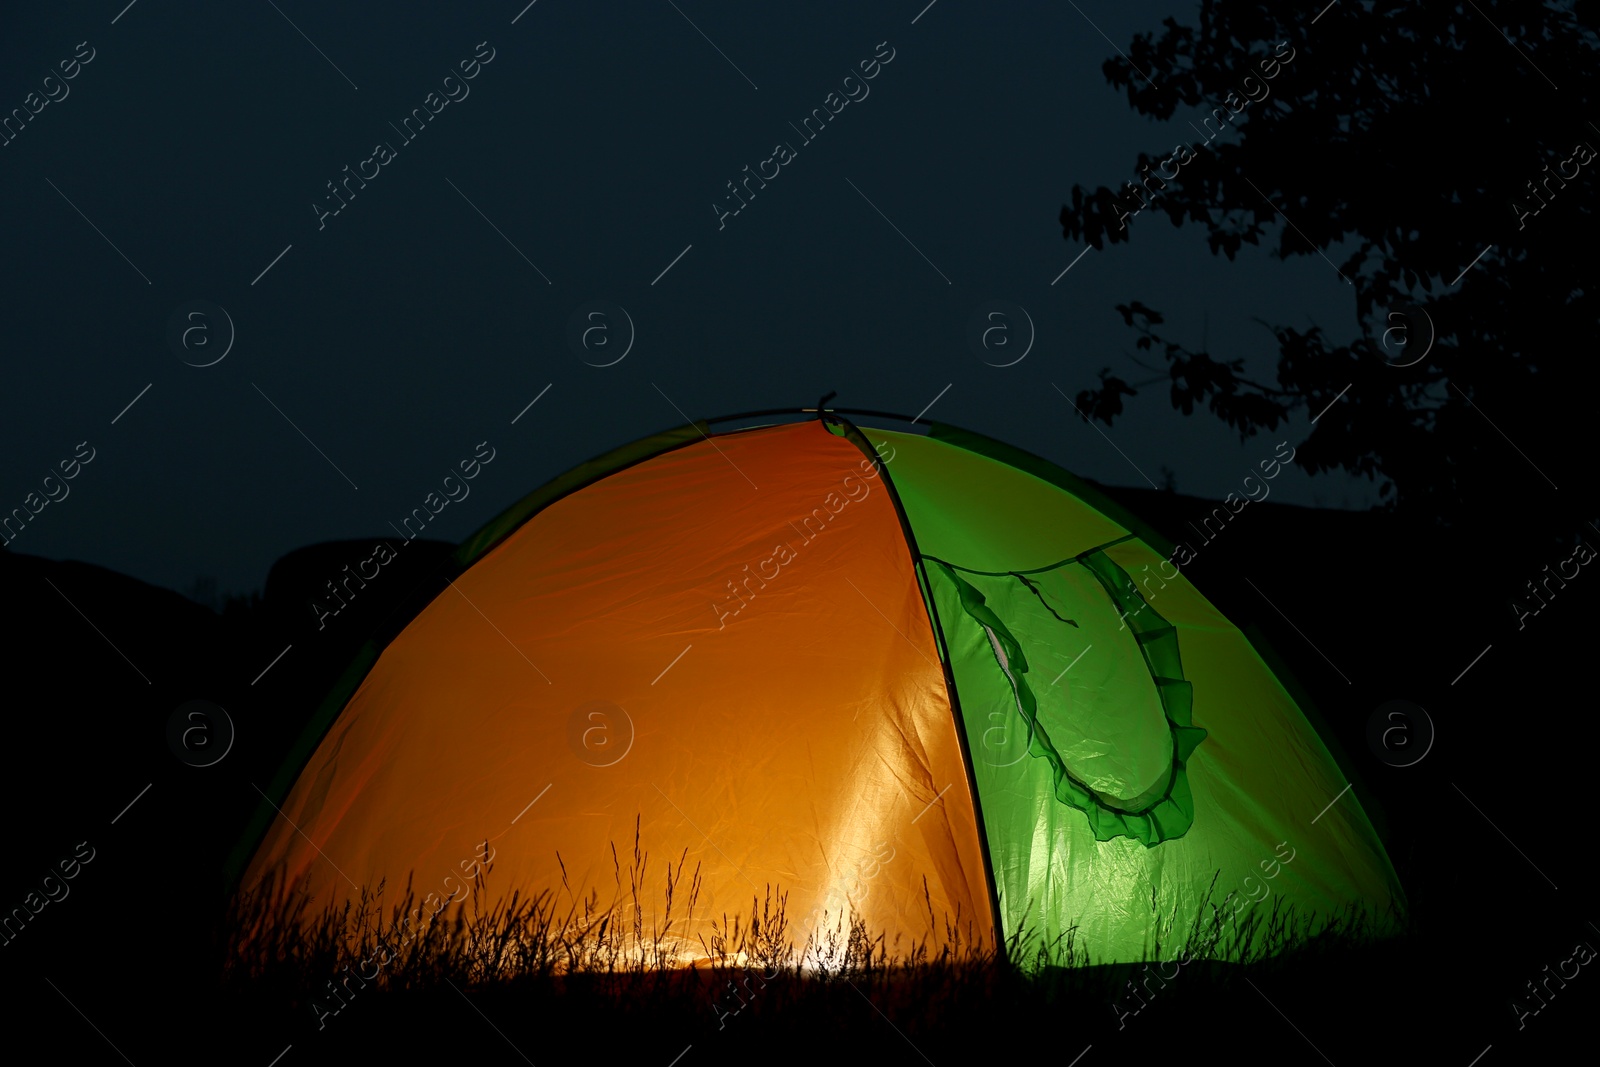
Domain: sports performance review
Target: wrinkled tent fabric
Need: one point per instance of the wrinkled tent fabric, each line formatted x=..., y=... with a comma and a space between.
x=748, y=644
x=794, y=744
x=1260, y=778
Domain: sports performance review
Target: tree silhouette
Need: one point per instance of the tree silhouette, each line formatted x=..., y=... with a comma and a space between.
x=1441, y=158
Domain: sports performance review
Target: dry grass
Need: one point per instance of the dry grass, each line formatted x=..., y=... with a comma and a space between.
x=632, y=952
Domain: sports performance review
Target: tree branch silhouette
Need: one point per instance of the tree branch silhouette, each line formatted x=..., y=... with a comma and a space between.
x=1335, y=140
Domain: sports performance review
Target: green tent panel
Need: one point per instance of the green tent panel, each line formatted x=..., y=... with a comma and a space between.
x=1132, y=753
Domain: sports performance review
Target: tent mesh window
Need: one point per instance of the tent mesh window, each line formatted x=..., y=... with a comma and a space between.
x=1112, y=719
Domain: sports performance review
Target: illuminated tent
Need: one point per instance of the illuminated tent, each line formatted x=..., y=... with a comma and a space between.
x=879, y=670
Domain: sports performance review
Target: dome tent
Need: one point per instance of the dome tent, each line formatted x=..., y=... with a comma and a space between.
x=929, y=679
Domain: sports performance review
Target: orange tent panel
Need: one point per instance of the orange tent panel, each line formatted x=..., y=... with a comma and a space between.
x=727, y=642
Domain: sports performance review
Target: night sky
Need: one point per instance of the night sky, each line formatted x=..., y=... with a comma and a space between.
x=179, y=173
x=275, y=270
